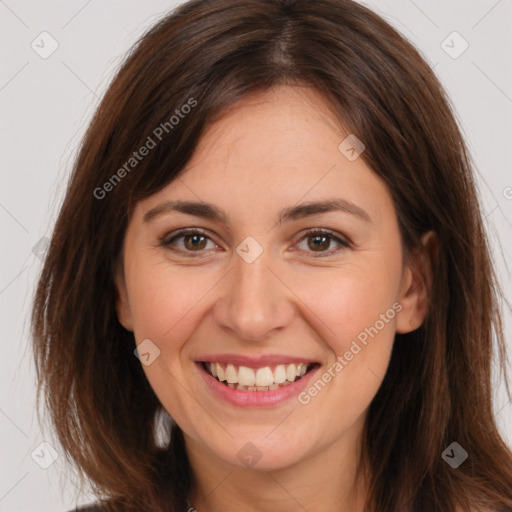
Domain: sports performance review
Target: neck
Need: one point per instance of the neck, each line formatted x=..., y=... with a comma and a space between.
x=325, y=480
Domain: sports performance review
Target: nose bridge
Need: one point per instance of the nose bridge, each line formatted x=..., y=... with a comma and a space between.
x=255, y=301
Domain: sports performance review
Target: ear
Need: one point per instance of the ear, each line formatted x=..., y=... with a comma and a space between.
x=122, y=305
x=416, y=284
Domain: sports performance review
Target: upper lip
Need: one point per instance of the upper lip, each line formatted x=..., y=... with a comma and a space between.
x=254, y=361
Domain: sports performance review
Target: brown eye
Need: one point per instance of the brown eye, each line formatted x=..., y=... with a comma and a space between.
x=319, y=241
x=190, y=241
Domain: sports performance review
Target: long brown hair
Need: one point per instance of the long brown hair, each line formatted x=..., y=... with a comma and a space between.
x=210, y=54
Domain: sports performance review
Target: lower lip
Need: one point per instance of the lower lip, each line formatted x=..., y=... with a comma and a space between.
x=243, y=398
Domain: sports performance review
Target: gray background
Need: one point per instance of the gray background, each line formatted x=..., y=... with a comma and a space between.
x=47, y=103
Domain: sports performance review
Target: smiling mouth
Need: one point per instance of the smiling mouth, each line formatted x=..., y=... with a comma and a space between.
x=266, y=378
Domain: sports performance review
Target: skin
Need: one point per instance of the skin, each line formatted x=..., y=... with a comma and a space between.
x=274, y=150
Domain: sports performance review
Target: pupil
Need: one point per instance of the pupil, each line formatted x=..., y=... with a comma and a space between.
x=324, y=238
x=195, y=239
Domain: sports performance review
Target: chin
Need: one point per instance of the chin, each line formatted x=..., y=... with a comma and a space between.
x=259, y=453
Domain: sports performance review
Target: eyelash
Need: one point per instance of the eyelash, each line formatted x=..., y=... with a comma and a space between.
x=165, y=241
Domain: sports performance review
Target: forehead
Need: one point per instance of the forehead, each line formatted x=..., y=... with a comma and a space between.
x=272, y=150
x=277, y=125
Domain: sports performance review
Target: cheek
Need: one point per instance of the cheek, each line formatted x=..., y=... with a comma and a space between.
x=166, y=302
x=353, y=298
x=356, y=307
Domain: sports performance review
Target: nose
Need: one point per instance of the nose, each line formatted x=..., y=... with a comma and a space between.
x=255, y=300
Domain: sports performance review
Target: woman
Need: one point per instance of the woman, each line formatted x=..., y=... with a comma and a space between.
x=272, y=236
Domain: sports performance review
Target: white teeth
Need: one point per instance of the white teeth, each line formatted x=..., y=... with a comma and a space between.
x=246, y=376
x=264, y=377
x=279, y=374
x=290, y=372
x=231, y=374
x=261, y=379
x=220, y=373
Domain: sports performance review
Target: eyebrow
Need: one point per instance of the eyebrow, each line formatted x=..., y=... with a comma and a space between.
x=212, y=212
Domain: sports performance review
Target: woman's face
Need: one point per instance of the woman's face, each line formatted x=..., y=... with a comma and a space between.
x=257, y=301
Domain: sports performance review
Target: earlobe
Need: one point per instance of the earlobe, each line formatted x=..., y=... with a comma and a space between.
x=417, y=282
x=122, y=304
